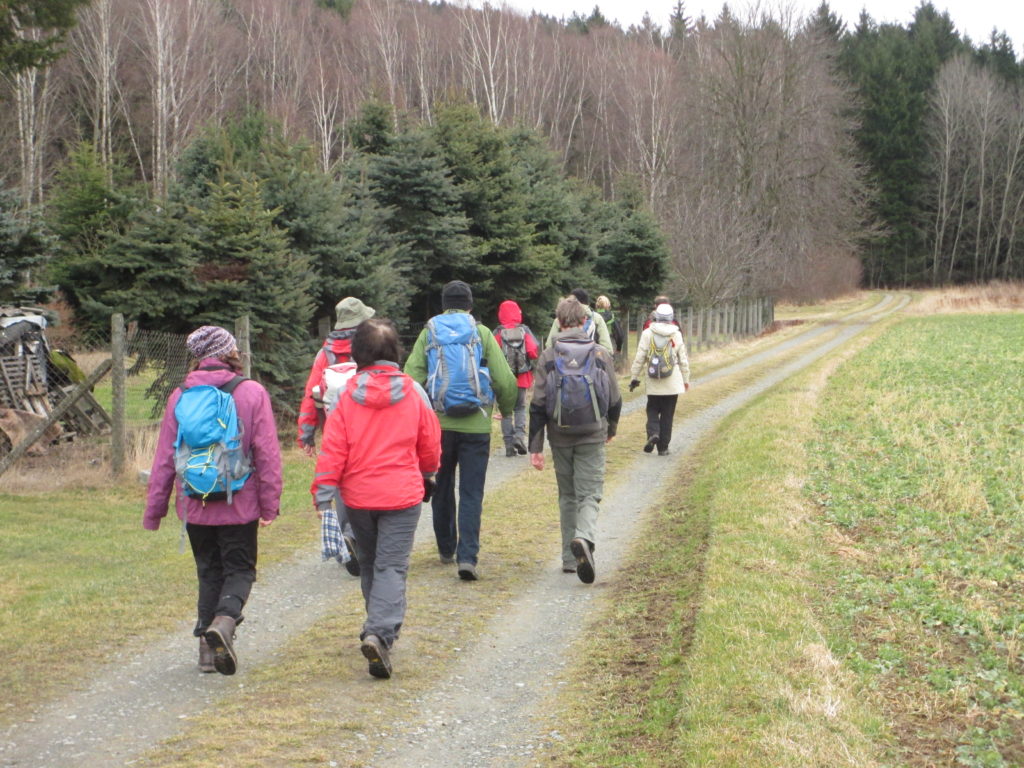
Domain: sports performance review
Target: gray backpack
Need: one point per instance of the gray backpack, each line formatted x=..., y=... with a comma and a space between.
x=577, y=388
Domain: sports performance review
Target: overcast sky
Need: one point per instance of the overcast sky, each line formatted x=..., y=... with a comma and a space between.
x=972, y=17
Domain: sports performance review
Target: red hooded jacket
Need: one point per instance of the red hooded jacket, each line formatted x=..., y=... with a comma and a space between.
x=337, y=348
x=509, y=316
x=379, y=442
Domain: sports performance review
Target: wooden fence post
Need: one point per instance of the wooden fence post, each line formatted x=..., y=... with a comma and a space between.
x=244, y=351
x=118, y=429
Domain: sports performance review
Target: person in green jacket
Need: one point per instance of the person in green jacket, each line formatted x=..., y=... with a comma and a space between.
x=594, y=325
x=465, y=443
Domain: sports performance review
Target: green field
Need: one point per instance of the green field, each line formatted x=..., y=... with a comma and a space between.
x=917, y=463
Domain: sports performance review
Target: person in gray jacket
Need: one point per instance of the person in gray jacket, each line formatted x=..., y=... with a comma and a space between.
x=666, y=378
x=577, y=435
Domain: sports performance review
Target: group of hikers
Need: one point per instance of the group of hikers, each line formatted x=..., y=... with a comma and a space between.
x=394, y=438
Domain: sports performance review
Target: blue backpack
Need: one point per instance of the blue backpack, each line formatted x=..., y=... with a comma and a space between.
x=208, y=449
x=458, y=382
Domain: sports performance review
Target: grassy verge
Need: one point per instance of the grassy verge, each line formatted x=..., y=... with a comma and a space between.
x=715, y=652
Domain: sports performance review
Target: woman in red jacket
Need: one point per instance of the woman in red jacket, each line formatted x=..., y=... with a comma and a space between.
x=381, y=448
x=521, y=349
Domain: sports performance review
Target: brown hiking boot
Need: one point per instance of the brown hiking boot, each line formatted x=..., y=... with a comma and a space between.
x=376, y=653
x=221, y=636
x=205, y=656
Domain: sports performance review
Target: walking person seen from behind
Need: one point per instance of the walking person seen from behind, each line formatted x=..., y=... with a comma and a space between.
x=330, y=365
x=576, y=401
x=521, y=348
x=593, y=323
x=222, y=496
x=462, y=368
x=662, y=363
x=381, y=448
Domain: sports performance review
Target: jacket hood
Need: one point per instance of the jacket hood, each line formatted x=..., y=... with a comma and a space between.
x=379, y=386
x=220, y=375
x=572, y=334
x=339, y=341
x=663, y=329
x=509, y=313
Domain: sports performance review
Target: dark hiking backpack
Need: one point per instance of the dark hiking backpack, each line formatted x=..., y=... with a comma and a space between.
x=458, y=382
x=577, y=388
x=513, y=344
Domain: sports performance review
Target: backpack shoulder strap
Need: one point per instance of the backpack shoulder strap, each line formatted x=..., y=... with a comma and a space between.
x=230, y=386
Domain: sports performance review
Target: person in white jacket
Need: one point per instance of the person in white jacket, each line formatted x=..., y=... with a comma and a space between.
x=661, y=359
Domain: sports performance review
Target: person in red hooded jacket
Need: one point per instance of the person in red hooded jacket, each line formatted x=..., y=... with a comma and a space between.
x=521, y=349
x=337, y=348
x=381, y=448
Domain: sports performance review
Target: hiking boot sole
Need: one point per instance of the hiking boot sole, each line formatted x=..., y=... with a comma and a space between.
x=377, y=656
x=584, y=560
x=224, y=659
x=467, y=572
x=649, y=445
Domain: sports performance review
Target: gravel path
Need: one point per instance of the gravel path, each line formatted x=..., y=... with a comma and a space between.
x=483, y=715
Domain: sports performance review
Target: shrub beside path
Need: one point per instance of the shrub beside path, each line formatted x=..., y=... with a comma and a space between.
x=485, y=717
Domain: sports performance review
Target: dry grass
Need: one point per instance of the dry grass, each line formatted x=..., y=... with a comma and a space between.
x=65, y=466
x=992, y=297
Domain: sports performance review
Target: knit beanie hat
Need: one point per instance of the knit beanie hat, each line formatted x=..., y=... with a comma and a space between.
x=210, y=341
x=581, y=295
x=663, y=313
x=350, y=312
x=456, y=295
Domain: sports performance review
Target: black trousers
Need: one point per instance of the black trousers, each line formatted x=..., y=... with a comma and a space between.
x=661, y=409
x=226, y=566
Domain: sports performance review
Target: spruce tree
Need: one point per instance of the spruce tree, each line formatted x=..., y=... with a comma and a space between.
x=412, y=184
x=85, y=210
x=245, y=268
x=150, y=273
x=632, y=254
x=493, y=198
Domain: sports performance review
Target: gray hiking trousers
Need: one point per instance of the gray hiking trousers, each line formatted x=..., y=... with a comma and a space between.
x=579, y=470
x=384, y=541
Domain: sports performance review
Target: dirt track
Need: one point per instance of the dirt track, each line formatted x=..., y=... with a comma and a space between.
x=489, y=719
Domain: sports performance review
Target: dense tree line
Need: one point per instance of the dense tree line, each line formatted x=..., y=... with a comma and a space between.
x=940, y=129
x=251, y=225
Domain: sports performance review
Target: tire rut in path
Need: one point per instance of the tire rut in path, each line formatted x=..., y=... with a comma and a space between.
x=483, y=712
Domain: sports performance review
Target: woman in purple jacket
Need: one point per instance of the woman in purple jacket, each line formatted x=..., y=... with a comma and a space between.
x=222, y=533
